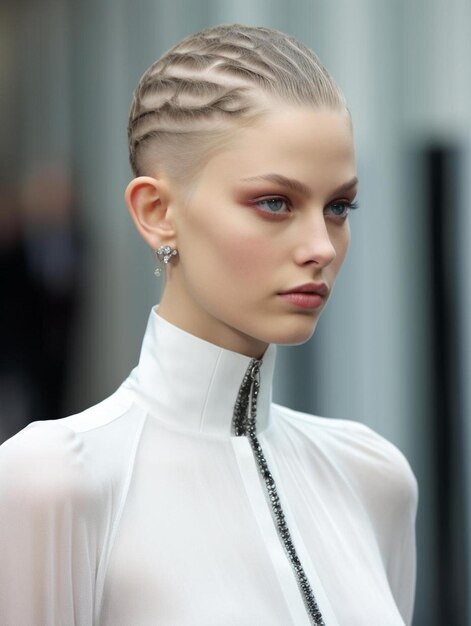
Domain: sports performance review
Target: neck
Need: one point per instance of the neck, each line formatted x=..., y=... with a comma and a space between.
x=181, y=311
x=194, y=385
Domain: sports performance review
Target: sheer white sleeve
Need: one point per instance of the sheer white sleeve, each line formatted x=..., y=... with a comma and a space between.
x=402, y=548
x=49, y=527
x=390, y=492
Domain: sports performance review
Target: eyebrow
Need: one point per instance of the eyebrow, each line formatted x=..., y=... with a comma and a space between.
x=297, y=185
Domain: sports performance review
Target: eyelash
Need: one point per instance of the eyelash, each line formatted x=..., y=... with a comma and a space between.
x=351, y=206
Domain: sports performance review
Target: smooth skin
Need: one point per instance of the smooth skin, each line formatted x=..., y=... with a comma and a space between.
x=241, y=243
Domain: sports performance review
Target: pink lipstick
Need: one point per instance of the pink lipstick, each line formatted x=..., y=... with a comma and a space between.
x=307, y=296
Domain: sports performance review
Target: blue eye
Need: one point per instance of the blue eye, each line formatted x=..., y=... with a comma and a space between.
x=275, y=205
x=342, y=209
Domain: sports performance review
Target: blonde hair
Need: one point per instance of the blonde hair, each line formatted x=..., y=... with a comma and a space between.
x=194, y=98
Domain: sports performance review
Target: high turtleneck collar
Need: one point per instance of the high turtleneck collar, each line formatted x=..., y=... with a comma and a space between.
x=192, y=384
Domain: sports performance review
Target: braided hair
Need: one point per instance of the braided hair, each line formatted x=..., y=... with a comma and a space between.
x=192, y=101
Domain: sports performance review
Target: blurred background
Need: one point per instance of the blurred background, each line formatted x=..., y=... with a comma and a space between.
x=393, y=349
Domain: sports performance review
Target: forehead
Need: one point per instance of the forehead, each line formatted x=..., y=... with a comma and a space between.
x=315, y=145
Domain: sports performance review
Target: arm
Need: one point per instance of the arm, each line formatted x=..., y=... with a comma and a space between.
x=390, y=494
x=402, y=561
x=48, y=535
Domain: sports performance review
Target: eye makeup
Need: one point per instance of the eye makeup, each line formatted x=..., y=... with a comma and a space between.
x=296, y=185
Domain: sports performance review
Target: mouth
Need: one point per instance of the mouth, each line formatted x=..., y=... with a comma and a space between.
x=307, y=296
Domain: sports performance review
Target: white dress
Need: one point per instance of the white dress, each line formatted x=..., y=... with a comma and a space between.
x=147, y=509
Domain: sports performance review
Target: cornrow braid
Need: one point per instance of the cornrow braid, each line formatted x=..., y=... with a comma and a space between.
x=192, y=99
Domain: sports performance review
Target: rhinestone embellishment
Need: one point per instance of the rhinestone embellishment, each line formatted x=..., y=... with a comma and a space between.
x=244, y=423
x=164, y=254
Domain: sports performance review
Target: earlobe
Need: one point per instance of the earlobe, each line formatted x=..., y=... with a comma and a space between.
x=147, y=200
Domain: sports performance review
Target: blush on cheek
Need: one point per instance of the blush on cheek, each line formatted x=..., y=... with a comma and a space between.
x=247, y=256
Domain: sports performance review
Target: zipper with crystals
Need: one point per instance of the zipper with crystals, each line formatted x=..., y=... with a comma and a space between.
x=244, y=423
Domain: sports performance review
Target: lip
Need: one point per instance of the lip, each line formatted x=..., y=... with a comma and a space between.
x=307, y=296
x=321, y=289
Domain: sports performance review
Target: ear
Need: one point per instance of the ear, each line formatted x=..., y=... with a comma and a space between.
x=147, y=200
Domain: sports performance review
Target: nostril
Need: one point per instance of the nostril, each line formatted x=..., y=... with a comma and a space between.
x=321, y=255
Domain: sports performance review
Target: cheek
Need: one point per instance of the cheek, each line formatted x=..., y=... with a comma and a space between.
x=247, y=257
x=341, y=246
x=231, y=249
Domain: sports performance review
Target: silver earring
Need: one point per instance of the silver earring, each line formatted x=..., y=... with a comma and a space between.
x=163, y=255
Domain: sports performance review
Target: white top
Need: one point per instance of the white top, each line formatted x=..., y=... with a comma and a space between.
x=146, y=510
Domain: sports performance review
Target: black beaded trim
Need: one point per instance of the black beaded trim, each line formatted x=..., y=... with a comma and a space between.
x=245, y=424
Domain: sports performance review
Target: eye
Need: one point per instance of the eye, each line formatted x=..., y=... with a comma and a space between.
x=341, y=210
x=273, y=205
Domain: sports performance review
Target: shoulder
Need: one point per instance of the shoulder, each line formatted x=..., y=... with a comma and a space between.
x=368, y=461
x=63, y=460
x=43, y=462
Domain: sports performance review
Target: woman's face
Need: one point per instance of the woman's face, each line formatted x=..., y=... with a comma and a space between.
x=246, y=235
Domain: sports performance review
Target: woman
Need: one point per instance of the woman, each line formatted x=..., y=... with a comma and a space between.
x=188, y=497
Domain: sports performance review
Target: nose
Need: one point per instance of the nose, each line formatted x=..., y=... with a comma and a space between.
x=315, y=243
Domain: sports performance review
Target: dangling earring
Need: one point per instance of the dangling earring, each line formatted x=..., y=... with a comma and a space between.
x=163, y=255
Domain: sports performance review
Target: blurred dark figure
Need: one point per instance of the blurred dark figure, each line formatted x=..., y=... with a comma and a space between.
x=39, y=278
x=15, y=331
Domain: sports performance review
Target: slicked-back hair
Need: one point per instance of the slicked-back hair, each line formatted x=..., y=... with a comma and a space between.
x=194, y=98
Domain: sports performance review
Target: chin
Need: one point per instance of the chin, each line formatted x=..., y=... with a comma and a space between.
x=294, y=333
